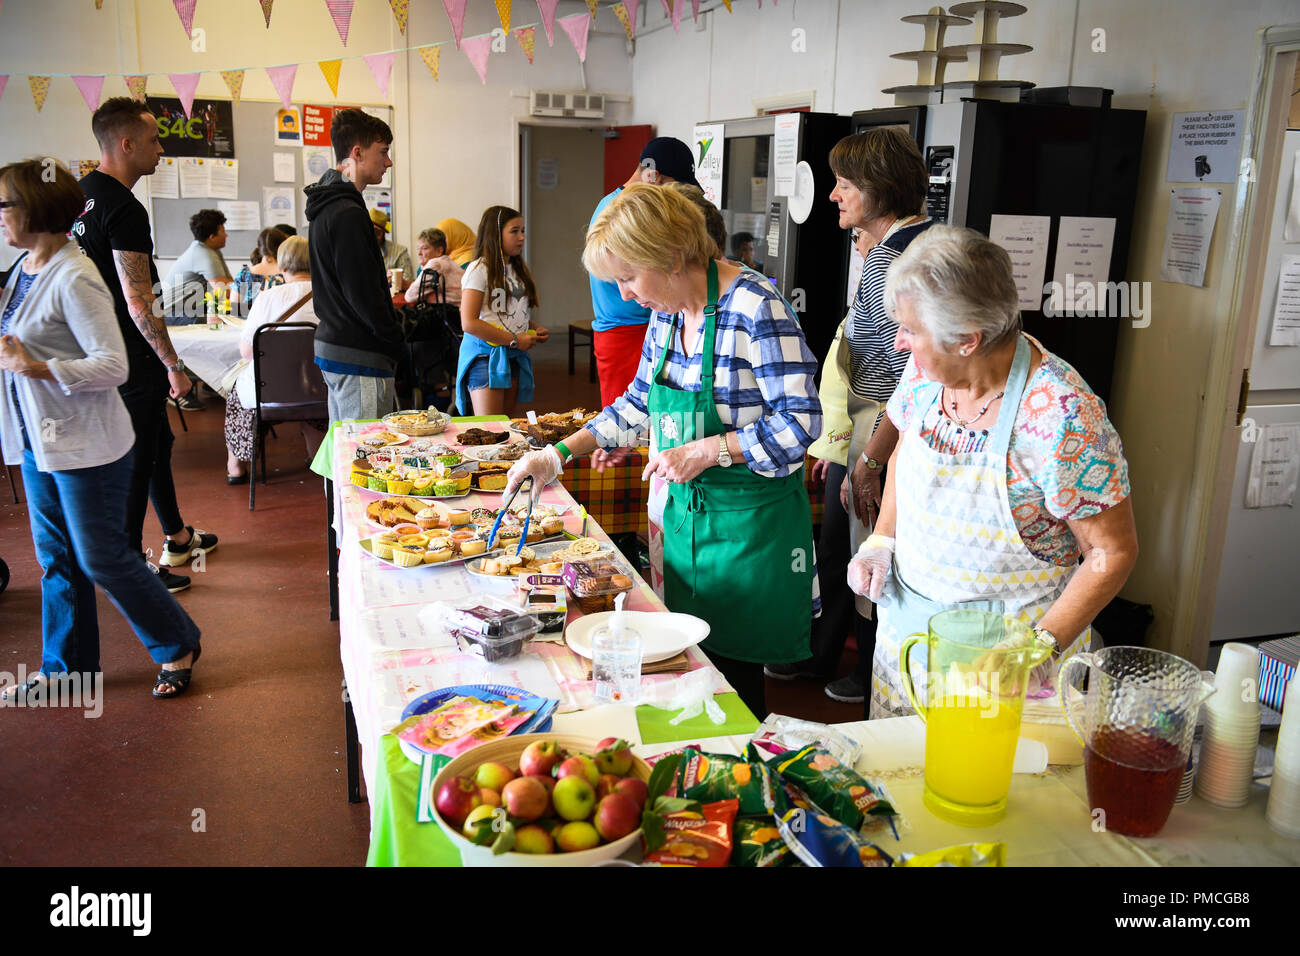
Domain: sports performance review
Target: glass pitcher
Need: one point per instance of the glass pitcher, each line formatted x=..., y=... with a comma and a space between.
x=977, y=672
x=1135, y=721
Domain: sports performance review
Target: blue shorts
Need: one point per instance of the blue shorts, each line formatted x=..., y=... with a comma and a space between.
x=476, y=376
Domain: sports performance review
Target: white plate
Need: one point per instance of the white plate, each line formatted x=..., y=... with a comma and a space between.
x=469, y=452
x=664, y=634
x=392, y=444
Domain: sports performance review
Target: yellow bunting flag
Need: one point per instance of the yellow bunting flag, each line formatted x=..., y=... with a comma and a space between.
x=331, y=70
x=135, y=86
x=401, y=10
x=727, y=4
x=503, y=13
x=40, y=87
x=591, y=8
x=430, y=55
x=234, y=82
x=620, y=11
x=527, y=37
x=99, y=4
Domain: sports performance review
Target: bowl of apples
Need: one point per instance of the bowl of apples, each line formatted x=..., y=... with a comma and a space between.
x=542, y=800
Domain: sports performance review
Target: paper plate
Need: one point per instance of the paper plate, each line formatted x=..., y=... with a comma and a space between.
x=540, y=723
x=664, y=634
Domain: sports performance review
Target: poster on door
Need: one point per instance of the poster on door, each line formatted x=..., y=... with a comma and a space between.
x=708, y=161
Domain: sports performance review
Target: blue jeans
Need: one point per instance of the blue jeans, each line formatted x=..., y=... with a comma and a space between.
x=78, y=522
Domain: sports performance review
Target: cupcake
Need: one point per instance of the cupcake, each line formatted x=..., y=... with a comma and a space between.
x=418, y=540
x=428, y=518
x=473, y=546
x=552, y=525
x=381, y=545
x=406, y=528
x=377, y=482
x=408, y=555
x=399, y=486
x=450, y=460
x=462, y=480
x=457, y=517
x=422, y=483
x=458, y=539
x=437, y=555
x=445, y=488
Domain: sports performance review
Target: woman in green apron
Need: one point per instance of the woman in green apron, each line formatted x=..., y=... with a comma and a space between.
x=725, y=391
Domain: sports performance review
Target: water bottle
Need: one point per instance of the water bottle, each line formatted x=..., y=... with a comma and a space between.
x=616, y=659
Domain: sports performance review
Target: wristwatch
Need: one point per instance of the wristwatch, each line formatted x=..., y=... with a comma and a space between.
x=724, y=453
x=1047, y=638
x=871, y=463
x=178, y=367
x=514, y=343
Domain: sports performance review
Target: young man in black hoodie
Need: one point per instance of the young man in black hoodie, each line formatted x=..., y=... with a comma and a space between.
x=358, y=334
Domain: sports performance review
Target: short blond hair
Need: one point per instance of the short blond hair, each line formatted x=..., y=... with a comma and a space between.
x=648, y=227
x=293, y=256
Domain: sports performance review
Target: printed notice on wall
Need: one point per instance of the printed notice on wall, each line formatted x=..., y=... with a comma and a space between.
x=708, y=161
x=1025, y=239
x=316, y=162
x=283, y=165
x=1286, y=313
x=1204, y=147
x=1083, y=248
x=785, y=152
x=548, y=173
x=1291, y=232
x=278, y=204
x=1192, y=214
x=223, y=178
x=165, y=183
x=1274, y=467
x=241, y=216
x=194, y=177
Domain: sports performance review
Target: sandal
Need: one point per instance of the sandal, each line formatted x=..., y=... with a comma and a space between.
x=178, y=680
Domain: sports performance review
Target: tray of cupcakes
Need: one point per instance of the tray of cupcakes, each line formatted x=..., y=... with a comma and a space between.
x=442, y=536
x=429, y=478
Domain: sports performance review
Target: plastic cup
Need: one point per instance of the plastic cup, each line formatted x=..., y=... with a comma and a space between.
x=1287, y=751
x=1283, y=812
x=1236, y=680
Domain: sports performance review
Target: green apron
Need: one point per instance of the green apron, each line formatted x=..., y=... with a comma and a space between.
x=738, y=548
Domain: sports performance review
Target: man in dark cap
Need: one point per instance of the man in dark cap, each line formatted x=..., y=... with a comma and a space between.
x=619, y=325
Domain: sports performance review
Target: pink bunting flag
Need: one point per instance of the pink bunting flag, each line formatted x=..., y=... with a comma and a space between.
x=547, y=9
x=185, y=10
x=695, y=10
x=91, y=88
x=3, y=81
x=266, y=11
x=632, y=7
x=677, y=14
x=478, y=49
x=381, y=67
x=456, y=14
x=282, y=80
x=576, y=26
x=527, y=37
x=185, y=84
x=341, y=14
x=135, y=86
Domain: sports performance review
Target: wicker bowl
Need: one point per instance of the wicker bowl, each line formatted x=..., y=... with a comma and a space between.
x=508, y=750
x=433, y=427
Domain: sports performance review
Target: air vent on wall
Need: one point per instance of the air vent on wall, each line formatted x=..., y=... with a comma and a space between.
x=576, y=105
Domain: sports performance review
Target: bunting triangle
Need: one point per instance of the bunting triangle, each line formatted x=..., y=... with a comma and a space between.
x=135, y=86
x=431, y=55
x=4, y=81
x=503, y=14
x=234, y=82
x=91, y=87
x=266, y=11
x=401, y=11
x=381, y=68
x=185, y=84
x=331, y=70
x=591, y=8
x=341, y=14
x=727, y=4
x=282, y=80
x=40, y=87
x=478, y=49
x=621, y=11
x=677, y=14
x=527, y=37
x=547, y=9
x=456, y=14
x=577, y=26
x=99, y=4
x=185, y=10
x=695, y=10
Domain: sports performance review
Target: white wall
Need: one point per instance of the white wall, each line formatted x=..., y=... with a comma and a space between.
x=455, y=138
x=1161, y=56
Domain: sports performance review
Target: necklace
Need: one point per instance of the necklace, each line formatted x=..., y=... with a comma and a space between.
x=964, y=423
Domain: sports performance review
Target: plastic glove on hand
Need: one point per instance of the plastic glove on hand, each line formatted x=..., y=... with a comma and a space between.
x=872, y=566
x=542, y=466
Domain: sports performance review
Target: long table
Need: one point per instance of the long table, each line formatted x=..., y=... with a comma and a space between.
x=211, y=354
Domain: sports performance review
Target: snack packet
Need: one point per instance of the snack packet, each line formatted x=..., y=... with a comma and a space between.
x=839, y=790
x=698, y=839
x=780, y=734
x=819, y=840
x=964, y=854
x=706, y=777
x=759, y=844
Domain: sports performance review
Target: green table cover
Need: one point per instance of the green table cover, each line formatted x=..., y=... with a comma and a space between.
x=396, y=839
x=655, y=729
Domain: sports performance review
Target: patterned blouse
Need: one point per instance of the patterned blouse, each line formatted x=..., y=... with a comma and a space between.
x=1065, y=461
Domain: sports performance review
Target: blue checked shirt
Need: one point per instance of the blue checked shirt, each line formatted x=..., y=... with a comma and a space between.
x=762, y=380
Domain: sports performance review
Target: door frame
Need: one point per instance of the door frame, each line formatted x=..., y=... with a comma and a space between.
x=523, y=189
x=1218, y=432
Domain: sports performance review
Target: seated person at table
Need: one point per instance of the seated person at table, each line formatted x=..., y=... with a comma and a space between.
x=273, y=305
x=262, y=270
x=395, y=254
x=431, y=250
x=198, y=269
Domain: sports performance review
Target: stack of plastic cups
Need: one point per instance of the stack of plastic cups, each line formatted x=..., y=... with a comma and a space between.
x=1231, y=735
x=1283, y=813
x=1189, y=777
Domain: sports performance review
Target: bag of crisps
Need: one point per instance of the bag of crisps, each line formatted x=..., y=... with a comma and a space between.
x=838, y=790
x=964, y=854
x=819, y=840
x=759, y=843
x=698, y=839
x=707, y=777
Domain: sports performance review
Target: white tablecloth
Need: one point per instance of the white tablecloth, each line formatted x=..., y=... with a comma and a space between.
x=212, y=354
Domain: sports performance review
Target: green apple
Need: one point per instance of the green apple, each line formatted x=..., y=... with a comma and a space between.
x=574, y=798
x=577, y=835
x=479, y=825
x=493, y=776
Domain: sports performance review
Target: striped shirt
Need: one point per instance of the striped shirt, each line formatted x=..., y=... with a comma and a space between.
x=762, y=380
x=876, y=366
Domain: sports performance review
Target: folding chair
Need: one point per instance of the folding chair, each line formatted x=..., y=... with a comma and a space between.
x=287, y=383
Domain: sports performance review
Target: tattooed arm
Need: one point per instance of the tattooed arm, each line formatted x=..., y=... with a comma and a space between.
x=137, y=287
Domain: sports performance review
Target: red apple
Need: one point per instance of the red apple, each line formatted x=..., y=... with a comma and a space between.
x=456, y=798
x=635, y=789
x=525, y=798
x=493, y=776
x=616, y=817
x=577, y=835
x=581, y=766
x=614, y=756
x=539, y=757
x=533, y=839
x=488, y=797
x=574, y=798
x=606, y=784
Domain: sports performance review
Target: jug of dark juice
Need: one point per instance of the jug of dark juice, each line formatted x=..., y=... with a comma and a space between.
x=1136, y=722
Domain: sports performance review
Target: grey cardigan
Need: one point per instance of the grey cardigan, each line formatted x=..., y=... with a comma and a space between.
x=67, y=320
